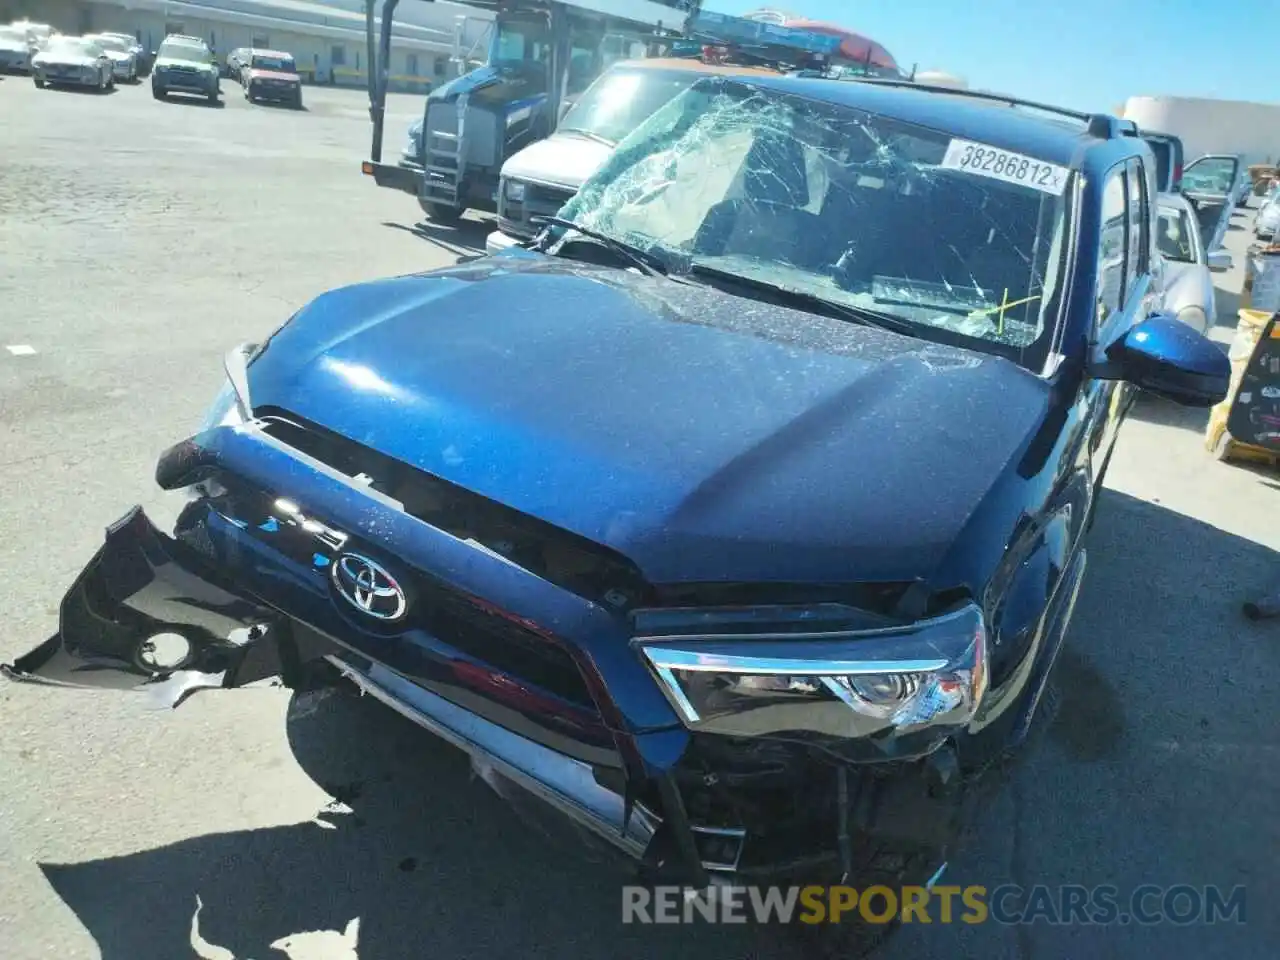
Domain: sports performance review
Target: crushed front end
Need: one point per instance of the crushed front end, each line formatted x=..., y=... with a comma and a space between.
x=729, y=742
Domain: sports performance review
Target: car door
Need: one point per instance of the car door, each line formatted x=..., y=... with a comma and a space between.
x=1212, y=183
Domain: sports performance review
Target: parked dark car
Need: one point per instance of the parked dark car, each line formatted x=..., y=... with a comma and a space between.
x=271, y=75
x=16, y=50
x=236, y=60
x=185, y=65
x=740, y=519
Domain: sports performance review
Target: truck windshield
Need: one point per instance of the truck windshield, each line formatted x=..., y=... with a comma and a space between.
x=616, y=104
x=520, y=42
x=864, y=211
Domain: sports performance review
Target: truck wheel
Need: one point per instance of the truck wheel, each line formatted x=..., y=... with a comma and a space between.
x=441, y=213
x=157, y=92
x=38, y=82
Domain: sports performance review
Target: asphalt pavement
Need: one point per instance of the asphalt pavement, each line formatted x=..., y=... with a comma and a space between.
x=139, y=240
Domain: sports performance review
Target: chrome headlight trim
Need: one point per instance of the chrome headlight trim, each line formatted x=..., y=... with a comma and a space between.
x=943, y=658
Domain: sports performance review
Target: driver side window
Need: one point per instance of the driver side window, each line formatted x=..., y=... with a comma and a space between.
x=1113, y=248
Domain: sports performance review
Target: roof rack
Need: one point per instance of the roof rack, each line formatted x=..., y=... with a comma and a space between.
x=1101, y=125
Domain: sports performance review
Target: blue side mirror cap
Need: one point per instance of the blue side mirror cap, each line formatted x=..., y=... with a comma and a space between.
x=1166, y=357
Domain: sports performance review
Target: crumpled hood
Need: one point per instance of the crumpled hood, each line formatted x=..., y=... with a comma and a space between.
x=706, y=437
x=562, y=159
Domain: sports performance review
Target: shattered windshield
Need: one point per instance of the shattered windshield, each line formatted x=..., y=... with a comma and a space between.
x=616, y=103
x=863, y=211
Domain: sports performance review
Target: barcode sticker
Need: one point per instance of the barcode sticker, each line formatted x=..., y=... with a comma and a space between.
x=988, y=161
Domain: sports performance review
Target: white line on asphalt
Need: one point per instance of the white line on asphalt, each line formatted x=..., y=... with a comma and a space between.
x=21, y=350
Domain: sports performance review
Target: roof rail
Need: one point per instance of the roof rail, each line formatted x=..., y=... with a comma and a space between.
x=1101, y=125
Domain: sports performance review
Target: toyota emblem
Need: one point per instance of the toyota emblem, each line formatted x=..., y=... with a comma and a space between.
x=368, y=587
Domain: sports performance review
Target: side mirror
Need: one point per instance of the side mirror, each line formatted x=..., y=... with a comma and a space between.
x=1220, y=260
x=1167, y=358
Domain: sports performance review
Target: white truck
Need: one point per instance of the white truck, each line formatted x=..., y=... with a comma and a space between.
x=538, y=180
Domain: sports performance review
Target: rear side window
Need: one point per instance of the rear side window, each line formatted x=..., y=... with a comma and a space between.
x=1113, y=246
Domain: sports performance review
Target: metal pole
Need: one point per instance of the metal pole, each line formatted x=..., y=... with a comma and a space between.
x=377, y=70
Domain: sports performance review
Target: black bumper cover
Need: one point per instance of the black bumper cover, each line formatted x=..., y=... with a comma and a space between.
x=142, y=585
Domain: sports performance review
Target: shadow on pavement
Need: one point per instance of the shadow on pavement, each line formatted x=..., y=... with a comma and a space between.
x=1227, y=304
x=466, y=239
x=179, y=99
x=84, y=91
x=430, y=861
x=1165, y=413
x=1163, y=767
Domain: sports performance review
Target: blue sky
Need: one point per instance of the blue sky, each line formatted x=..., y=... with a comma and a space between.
x=1086, y=54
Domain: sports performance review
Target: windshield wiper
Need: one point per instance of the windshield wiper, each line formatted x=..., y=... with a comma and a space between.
x=811, y=302
x=649, y=263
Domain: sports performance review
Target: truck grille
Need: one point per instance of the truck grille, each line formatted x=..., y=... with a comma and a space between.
x=518, y=217
x=481, y=133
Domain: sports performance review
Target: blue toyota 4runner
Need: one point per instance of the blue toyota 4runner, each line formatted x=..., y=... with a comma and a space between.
x=738, y=520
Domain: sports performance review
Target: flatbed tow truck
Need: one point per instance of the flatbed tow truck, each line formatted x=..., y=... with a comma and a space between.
x=541, y=53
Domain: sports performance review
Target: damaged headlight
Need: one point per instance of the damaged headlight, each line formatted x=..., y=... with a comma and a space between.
x=926, y=678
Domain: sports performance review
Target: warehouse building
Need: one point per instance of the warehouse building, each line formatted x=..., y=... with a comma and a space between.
x=326, y=37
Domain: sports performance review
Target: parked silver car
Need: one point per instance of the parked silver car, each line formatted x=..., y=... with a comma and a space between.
x=124, y=60
x=74, y=62
x=16, y=49
x=1184, y=266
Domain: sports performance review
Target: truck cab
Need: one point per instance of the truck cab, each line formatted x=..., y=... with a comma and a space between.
x=538, y=180
x=543, y=176
x=540, y=56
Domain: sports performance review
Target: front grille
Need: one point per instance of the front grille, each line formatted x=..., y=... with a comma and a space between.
x=469, y=624
x=473, y=628
x=541, y=200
